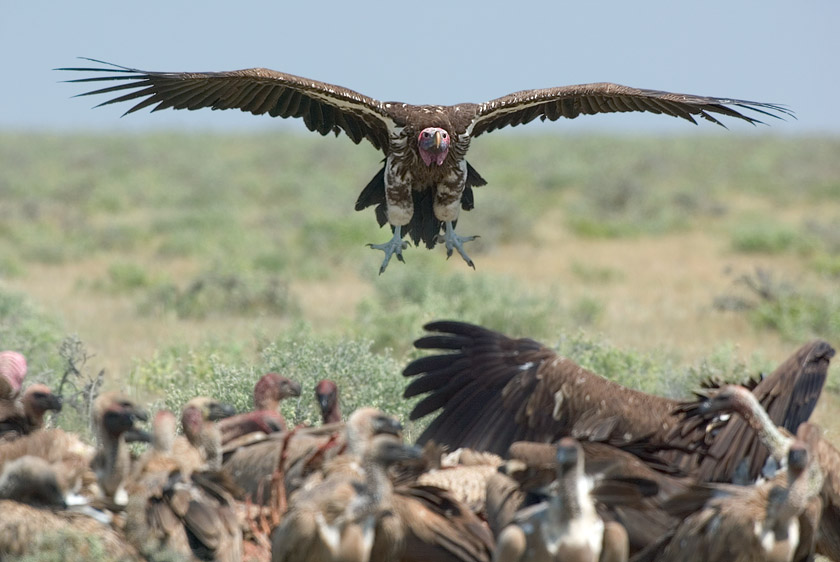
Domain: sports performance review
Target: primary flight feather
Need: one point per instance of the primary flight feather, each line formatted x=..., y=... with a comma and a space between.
x=426, y=180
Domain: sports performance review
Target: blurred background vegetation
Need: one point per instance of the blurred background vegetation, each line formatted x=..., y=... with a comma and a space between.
x=185, y=264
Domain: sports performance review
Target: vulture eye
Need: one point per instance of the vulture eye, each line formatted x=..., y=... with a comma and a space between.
x=444, y=135
x=426, y=134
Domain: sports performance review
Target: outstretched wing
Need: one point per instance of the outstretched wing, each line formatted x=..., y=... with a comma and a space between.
x=324, y=107
x=603, y=97
x=492, y=390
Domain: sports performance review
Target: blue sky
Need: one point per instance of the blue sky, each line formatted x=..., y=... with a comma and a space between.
x=430, y=52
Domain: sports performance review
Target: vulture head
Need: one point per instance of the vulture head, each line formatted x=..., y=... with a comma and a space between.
x=114, y=415
x=271, y=389
x=38, y=400
x=12, y=372
x=326, y=392
x=197, y=419
x=433, y=144
x=569, y=457
x=385, y=450
x=364, y=424
x=32, y=480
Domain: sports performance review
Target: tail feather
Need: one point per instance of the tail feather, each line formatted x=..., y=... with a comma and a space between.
x=424, y=226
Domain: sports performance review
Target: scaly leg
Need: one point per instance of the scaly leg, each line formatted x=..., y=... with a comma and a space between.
x=394, y=246
x=453, y=241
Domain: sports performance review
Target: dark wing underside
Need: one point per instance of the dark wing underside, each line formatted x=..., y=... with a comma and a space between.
x=492, y=390
x=323, y=107
x=789, y=395
x=603, y=97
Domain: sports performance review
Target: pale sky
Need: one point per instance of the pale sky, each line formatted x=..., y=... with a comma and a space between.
x=429, y=52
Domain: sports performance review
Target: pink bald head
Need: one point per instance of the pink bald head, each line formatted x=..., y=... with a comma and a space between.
x=271, y=389
x=12, y=373
x=433, y=145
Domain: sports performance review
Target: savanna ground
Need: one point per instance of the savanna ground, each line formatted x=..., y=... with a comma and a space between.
x=186, y=264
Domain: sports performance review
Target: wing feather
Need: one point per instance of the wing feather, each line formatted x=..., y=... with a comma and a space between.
x=255, y=90
x=604, y=97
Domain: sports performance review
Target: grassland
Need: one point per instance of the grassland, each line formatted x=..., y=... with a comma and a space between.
x=186, y=263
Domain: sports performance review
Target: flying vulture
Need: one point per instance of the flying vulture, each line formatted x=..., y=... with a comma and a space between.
x=426, y=179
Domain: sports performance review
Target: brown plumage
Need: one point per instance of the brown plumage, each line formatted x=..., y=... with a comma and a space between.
x=27, y=415
x=788, y=395
x=627, y=490
x=175, y=509
x=198, y=420
x=269, y=391
x=567, y=527
x=34, y=520
x=493, y=390
x=778, y=441
x=114, y=414
x=304, y=452
x=347, y=519
x=763, y=522
x=426, y=180
x=326, y=393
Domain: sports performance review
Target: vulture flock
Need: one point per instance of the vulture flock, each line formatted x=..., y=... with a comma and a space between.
x=528, y=457
x=525, y=455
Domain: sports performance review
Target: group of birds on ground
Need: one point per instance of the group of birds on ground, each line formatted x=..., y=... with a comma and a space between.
x=529, y=457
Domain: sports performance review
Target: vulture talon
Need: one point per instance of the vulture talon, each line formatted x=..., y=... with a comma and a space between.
x=394, y=246
x=455, y=242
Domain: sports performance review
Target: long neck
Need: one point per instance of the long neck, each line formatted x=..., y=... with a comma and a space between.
x=115, y=463
x=572, y=498
x=768, y=433
x=377, y=490
x=333, y=414
x=211, y=446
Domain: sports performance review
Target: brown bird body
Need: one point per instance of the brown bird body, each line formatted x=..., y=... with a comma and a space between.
x=27, y=415
x=178, y=509
x=426, y=180
x=326, y=393
x=114, y=415
x=346, y=519
x=567, y=526
x=269, y=391
x=763, y=522
x=34, y=521
x=493, y=390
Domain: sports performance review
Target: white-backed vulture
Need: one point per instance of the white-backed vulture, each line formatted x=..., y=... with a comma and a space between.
x=522, y=479
x=426, y=180
x=778, y=440
x=202, y=436
x=114, y=414
x=344, y=518
x=269, y=391
x=767, y=522
x=492, y=390
x=326, y=393
x=567, y=527
x=788, y=395
x=176, y=510
x=34, y=521
x=27, y=414
x=12, y=373
x=304, y=452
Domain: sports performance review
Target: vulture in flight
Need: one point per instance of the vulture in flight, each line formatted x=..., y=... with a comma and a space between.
x=426, y=179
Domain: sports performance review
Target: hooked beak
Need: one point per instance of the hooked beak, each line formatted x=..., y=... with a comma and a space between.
x=218, y=411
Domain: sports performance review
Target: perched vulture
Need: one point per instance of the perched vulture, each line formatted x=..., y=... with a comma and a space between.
x=492, y=390
x=778, y=441
x=27, y=415
x=567, y=526
x=37, y=525
x=326, y=392
x=426, y=180
x=113, y=415
x=771, y=521
x=269, y=391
